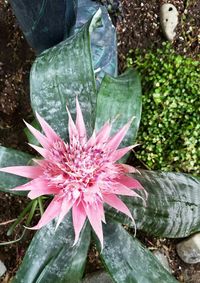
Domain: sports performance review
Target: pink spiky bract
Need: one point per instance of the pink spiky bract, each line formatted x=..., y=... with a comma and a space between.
x=82, y=174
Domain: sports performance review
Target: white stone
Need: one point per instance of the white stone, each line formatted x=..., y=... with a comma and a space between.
x=163, y=260
x=189, y=249
x=169, y=20
x=3, y=269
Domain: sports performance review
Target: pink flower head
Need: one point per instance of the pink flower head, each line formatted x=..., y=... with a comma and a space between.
x=82, y=174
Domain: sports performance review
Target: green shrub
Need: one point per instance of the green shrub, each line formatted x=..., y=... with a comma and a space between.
x=170, y=126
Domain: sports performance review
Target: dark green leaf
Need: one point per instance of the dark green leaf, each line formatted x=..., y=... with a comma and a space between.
x=51, y=256
x=59, y=75
x=12, y=157
x=173, y=206
x=128, y=261
x=37, y=19
x=120, y=96
x=103, y=39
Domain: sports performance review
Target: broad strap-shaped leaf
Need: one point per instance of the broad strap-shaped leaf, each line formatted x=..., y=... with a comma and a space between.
x=128, y=261
x=120, y=97
x=51, y=256
x=45, y=23
x=12, y=157
x=59, y=75
x=172, y=208
x=103, y=39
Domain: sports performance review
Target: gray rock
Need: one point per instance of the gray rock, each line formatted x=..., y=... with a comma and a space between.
x=3, y=268
x=189, y=249
x=169, y=20
x=163, y=260
x=98, y=277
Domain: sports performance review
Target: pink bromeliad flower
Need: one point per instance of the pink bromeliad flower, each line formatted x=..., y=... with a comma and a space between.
x=82, y=174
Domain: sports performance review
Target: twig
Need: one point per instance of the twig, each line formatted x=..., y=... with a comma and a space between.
x=7, y=222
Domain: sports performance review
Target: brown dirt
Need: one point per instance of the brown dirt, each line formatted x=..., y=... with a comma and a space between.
x=15, y=63
x=12, y=254
x=138, y=27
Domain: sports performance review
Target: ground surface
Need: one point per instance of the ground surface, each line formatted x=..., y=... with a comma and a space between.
x=138, y=27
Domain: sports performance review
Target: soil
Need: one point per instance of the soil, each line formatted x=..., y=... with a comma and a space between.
x=138, y=26
x=15, y=63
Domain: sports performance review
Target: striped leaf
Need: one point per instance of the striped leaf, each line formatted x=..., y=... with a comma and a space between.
x=173, y=206
x=128, y=261
x=51, y=256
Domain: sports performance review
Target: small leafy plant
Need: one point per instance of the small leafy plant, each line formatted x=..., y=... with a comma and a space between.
x=170, y=125
x=61, y=74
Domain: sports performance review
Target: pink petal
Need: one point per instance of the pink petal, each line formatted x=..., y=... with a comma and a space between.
x=94, y=216
x=80, y=125
x=73, y=132
x=41, y=138
x=31, y=172
x=103, y=134
x=129, y=182
x=40, y=150
x=49, y=132
x=37, y=192
x=115, y=202
x=37, y=187
x=101, y=210
x=25, y=187
x=50, y=213
x=65, y=207
x=127, y=168
x=116, y=155
x=40, y=187
x=41, y=162
x=79, y=216
x=120, y=189
x=118, y=137
x=92, y=140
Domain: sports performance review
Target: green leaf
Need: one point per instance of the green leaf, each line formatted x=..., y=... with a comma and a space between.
x=12, y=157
x=172, y=208
x=37, y=19
x=60, y=74
x=128, y=261
x=51, y=256
x=120, y=96
x=103, y=39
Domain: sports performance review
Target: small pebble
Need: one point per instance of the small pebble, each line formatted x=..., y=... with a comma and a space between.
x=3, y=268
x=189, y=249
x=169, y=20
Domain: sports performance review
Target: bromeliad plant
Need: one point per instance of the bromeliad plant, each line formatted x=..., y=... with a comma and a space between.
x=83, y=174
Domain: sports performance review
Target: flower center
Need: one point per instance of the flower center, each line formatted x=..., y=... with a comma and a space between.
x=75, y=167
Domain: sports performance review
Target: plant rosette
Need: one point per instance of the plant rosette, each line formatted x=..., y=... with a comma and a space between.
x=82, y=174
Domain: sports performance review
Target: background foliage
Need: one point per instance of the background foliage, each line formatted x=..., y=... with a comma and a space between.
x=170, y=125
